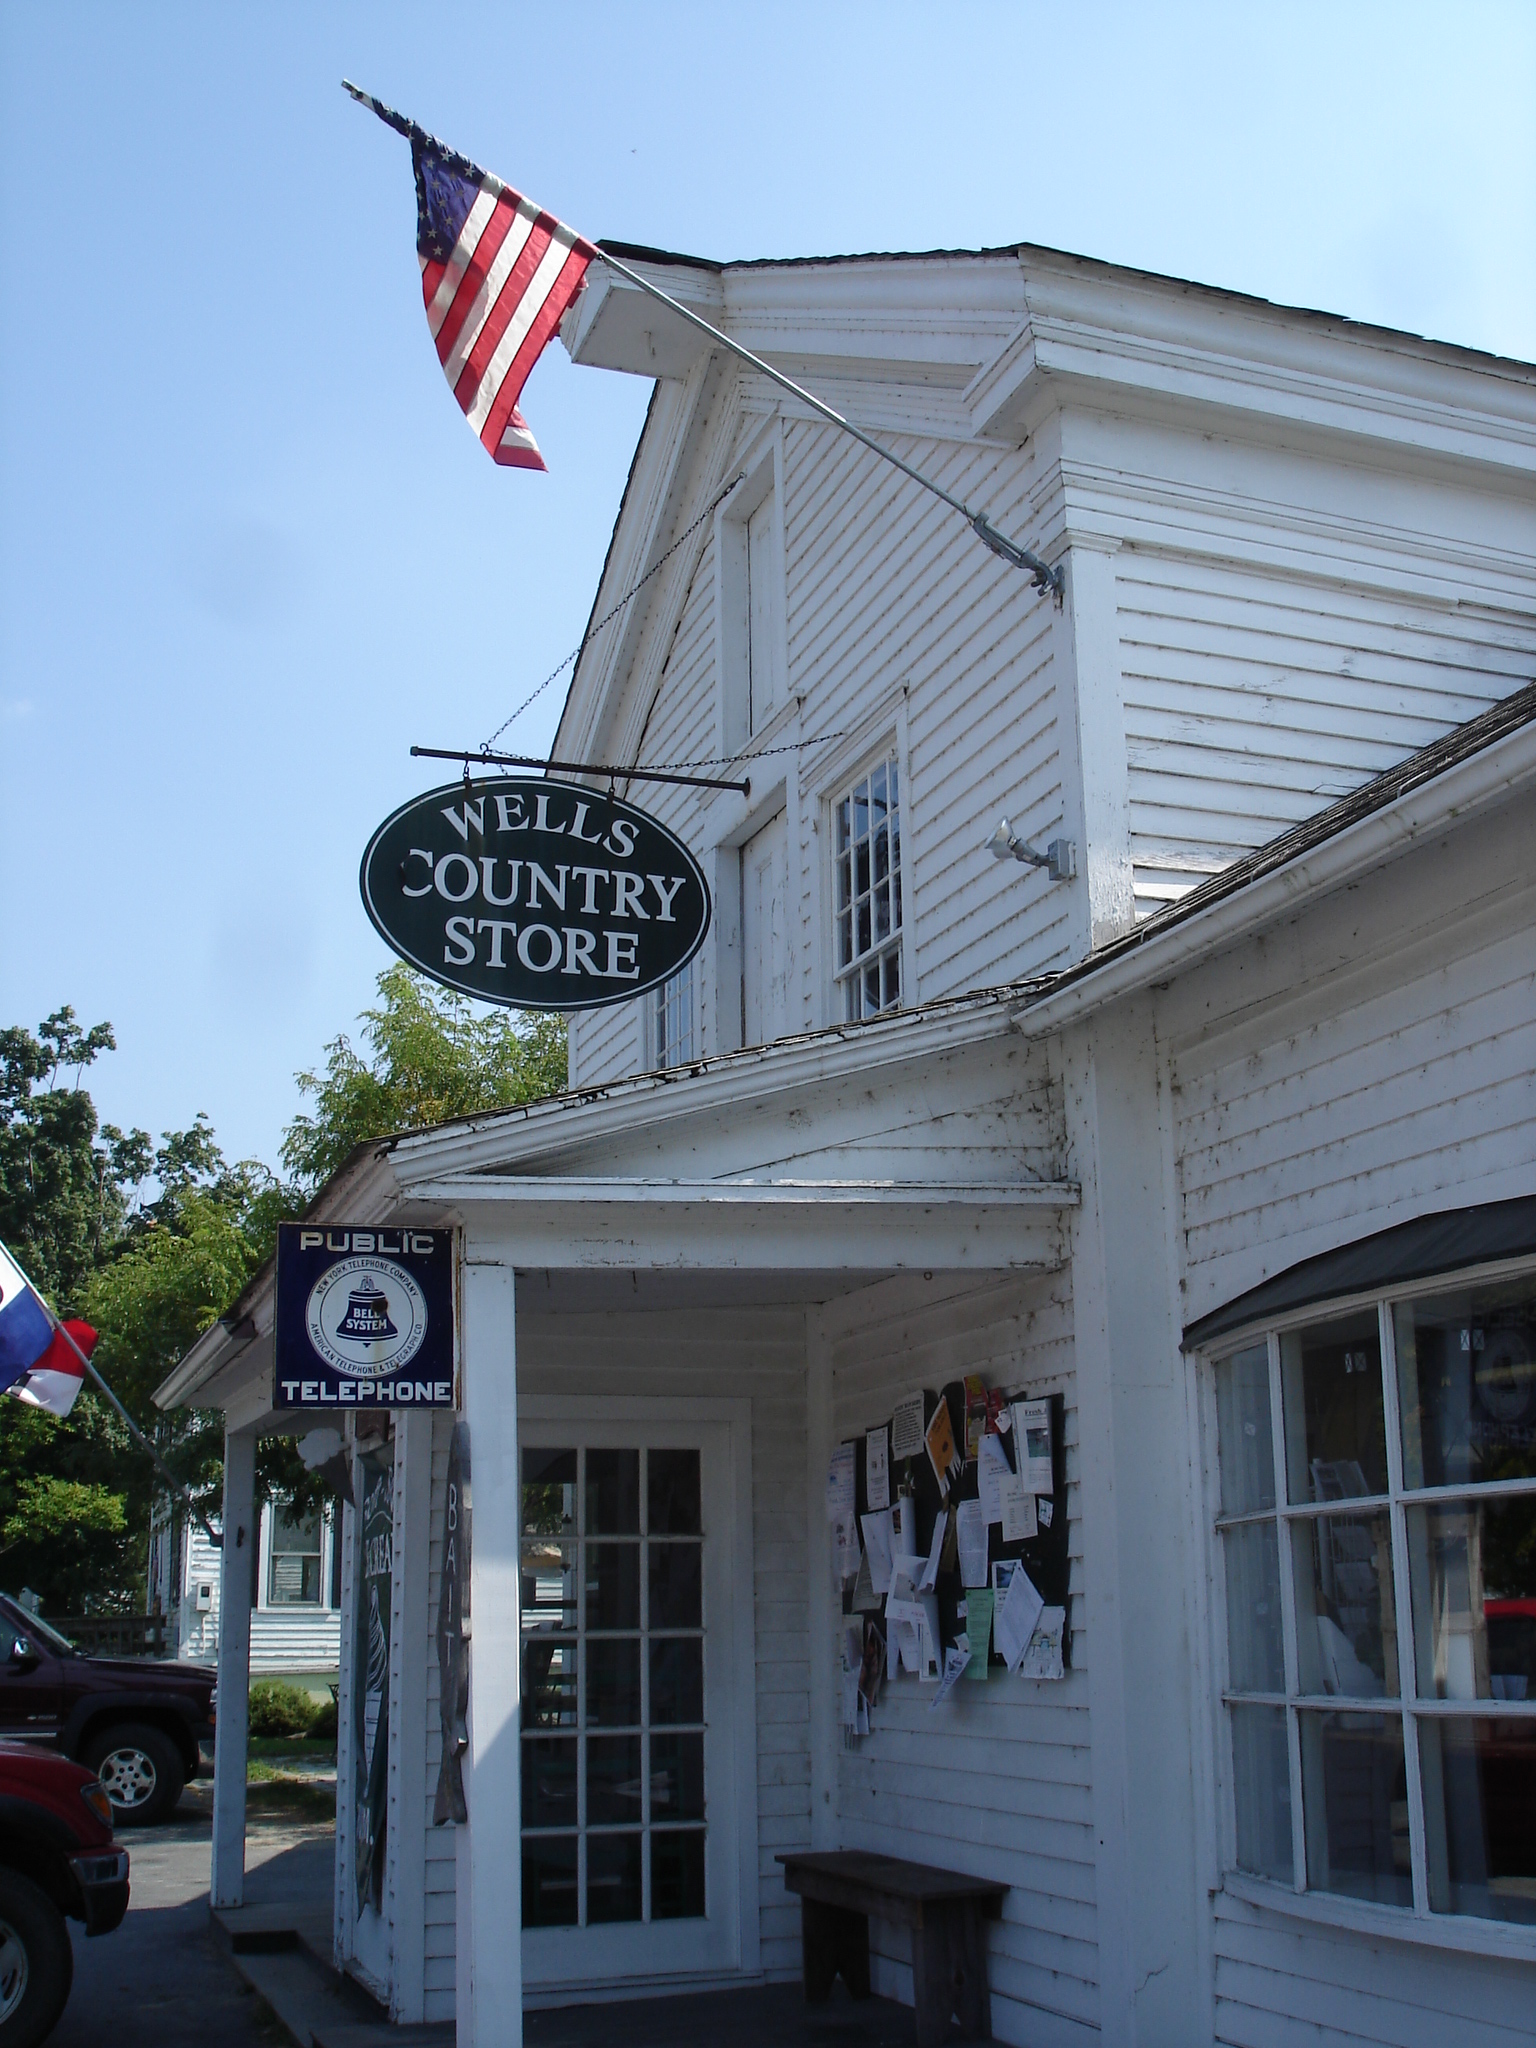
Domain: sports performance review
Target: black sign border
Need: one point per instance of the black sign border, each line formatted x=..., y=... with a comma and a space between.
x=580, y=790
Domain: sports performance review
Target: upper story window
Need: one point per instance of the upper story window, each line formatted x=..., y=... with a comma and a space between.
x=293, y=1567
x=672, y=1019
x=749, y=538
x=866, y=838
x=1376, y=1540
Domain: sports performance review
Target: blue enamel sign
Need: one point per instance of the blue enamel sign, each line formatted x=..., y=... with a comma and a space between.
x=364, y=1317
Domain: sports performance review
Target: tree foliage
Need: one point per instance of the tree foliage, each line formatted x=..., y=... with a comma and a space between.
x=430, y=1057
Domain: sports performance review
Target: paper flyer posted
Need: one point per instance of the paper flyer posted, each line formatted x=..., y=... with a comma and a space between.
x=956, y=1657
x=865, y=1599
x=1019, y=1519
x=877, y=1549
x=1042, y=1657
x=935, y=1551
x=841, y=1484
x=992, y=1469
x=1032, y=1420
x=907, y=1428
x=1014, y=1616
x=940, y=1440
x=1047, y=1511
x=971, y=1535
x=975, y=1413
x=978, y=1629
x=877, y=1469
x=904, y=1525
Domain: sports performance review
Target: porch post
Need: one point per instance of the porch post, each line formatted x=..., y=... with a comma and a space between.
x=237, y=1574
x=489, y=1849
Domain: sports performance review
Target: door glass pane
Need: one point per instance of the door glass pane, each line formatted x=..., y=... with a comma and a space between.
x=613, y=1493
x=613, y=1682
x=677, y=1584
x=1346, y=1624
x=1261, y=1784
x=1251, y=1555
x=677, y=1681
x=1335, y=1423
x=549, y=1493
x=677, y=1874
x=1472, y=1568
x=548, y=1584
x=549, y=1683
x=672, y=1493
x=549, y=1881
x=1480, y=1816
x=1466, y=1367
x=613, y=1878
x=1247, y=1442
x=613, y=1778
x=1355, y=1804
x=549, y=1781
x=613, y=1585
x=677, y=1777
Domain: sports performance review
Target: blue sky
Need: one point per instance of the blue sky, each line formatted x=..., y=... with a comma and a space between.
x=249, y=551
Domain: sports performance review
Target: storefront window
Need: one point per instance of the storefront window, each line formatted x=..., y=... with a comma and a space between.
x=1376, y=1544
x=613, y=1687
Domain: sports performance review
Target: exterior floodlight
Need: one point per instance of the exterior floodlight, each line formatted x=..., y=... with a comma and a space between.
x=1059, y=859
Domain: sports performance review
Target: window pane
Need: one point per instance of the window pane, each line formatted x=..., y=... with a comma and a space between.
x=844, y=939
x=1346, y=1624
x=843, y=827
x=302, y=1534
x=613, y=1778
x=677, y=1777
x=549, y=1683
x=861, y=919
x=1335, y=1425
x=1472, y=1569
x=613, y=1585
x=676, y=1585
x=549, y=1881
x=613, y=1878
x=890, y=968
x=1247, y=1441
x=549, y=1781
x=677, y=1681
x=549, y=1492
x=1256, y=1659
x=1480, y=1816
x=677, y=1876
x=548, y=1584
x=1261, y=1785
x=1355, y=1804
x=672, y=1493
x=613, y=1683
x=1466, y=1368
x=613, y=1493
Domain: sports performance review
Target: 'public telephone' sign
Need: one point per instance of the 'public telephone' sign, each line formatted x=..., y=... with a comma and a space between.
x=364, y=1317
x=534, y=893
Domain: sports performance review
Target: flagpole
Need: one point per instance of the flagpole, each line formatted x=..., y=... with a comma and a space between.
x=1046, y=577
x=178, y=1486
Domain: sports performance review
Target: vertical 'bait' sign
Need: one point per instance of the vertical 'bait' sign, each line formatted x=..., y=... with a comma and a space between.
x=535, y=893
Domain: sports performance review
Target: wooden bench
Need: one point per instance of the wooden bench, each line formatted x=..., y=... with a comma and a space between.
x=840, y=1888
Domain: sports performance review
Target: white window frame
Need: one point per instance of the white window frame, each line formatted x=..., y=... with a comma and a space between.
x=763, y=467
x=1415, y=1923
x=295, y=1609
x=846, y=973
x=677, y=993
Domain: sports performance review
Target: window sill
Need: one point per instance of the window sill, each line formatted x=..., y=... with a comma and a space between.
x=1458, y=1932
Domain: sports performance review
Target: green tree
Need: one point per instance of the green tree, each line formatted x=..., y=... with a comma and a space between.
x=430, y=1057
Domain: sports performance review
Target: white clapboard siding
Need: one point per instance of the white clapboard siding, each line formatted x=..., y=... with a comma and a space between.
x=998, y=1781
x=1404, y=1086
x=283, y=1639
x=1284, y=1983
x=758, y=1354
x=1254, y=698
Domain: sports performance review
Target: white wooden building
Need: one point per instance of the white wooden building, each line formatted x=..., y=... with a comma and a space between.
x=1222, y=1141
x=296, y=1618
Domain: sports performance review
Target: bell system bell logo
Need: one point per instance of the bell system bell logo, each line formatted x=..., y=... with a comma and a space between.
x=366, y=1316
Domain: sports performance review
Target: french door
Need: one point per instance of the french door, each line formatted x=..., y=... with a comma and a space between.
x=630, y=1809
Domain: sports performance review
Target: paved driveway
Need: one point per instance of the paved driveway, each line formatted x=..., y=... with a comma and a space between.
x=159, y=1981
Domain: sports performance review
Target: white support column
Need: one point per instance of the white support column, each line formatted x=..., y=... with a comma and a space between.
x=822, y=1608
x=1096, y=734
x=489, y=1849
x=236, y=1584
x=410, y=1652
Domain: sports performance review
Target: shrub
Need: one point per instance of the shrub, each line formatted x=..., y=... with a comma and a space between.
x=322, y=1722
x=278, y=1708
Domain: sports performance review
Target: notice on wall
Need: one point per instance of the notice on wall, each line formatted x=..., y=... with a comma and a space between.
x=956, y=1658
x=907, y=1428
x=930, y=1572
x=1032, y=1422
x=1043, y=1656
x=992, y=1469
x=1017, y=1609
x=877, y=1550
x=978, y=1630
x=841, y=1489
x=971, y=1536
x=877, y=1468
x=940, y=1440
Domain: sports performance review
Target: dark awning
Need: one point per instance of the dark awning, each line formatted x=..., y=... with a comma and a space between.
x=1409, y=1251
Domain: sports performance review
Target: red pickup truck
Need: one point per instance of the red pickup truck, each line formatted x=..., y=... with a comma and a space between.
x=57, y=1858
x=136, y=1723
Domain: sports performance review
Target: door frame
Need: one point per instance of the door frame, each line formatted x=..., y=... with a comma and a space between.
x=547, y=1412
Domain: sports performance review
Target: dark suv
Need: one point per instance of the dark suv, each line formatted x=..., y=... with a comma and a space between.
x=134, y=1722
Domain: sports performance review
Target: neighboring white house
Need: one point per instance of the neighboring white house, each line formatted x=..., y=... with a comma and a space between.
x=296, y=1618
x=1229, y=1142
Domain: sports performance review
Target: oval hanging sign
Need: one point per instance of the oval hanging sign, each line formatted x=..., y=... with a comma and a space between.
x=542, y=895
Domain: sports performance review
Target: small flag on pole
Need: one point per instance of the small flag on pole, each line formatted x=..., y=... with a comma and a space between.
x=39, y=1363
x=497, y=274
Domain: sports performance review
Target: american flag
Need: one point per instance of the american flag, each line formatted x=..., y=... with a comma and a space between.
x=497, y=274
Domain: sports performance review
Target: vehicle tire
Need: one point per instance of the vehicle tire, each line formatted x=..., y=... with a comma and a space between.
x=141, y=1770
x=37, y=1964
